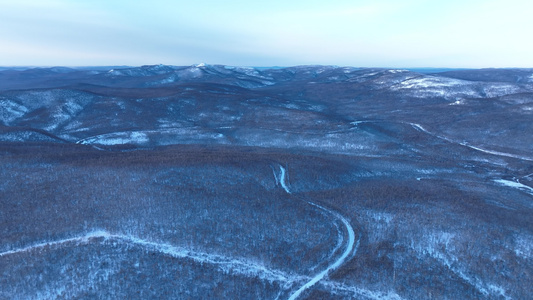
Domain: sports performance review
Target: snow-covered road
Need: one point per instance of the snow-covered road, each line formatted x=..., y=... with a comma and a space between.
x=465, y=144
x=351, y=245
x=447, y=139
x=516, y=185
x=226, y=264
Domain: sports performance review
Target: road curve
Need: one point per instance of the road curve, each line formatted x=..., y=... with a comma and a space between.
x=465, y=144
x=447, y=139
x=516, y=185
x=350, y=247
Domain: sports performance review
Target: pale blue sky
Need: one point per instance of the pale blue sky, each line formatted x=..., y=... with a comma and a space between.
x=361, y=33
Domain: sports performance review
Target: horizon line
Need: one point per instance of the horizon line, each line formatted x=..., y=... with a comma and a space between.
x=255, y=67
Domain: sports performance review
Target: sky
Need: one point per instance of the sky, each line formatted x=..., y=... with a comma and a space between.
x=358, y=33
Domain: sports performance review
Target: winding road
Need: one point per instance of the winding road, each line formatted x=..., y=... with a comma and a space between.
x=465, y=144
x=516, y=185
x=225, y=263
x=447, y=139
x=351, y=246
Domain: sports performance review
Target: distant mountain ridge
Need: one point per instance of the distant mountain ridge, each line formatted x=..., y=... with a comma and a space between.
x=161, y=104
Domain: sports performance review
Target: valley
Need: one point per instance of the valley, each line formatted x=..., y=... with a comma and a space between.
x=307, y=182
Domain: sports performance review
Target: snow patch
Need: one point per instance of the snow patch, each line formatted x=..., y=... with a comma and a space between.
x=24, y=136
x=114, y=72
x=163, y=136
x=523, y=246
x=516, y=185
x=430, y=82
x=193, y=72
x=432, y=86
x=252, y=72
x=169, y=79
x=225, y=264
x=355, y=123
x=10, y=111
x=499, y=89
x=498, y=291
x=458, y=102
x=117, y=138
x=397, y=71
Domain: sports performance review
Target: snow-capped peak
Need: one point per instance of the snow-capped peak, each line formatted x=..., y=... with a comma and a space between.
x=398, y=71
x=200, y=65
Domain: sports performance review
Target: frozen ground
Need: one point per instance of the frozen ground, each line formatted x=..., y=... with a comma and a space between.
x=309, y=182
